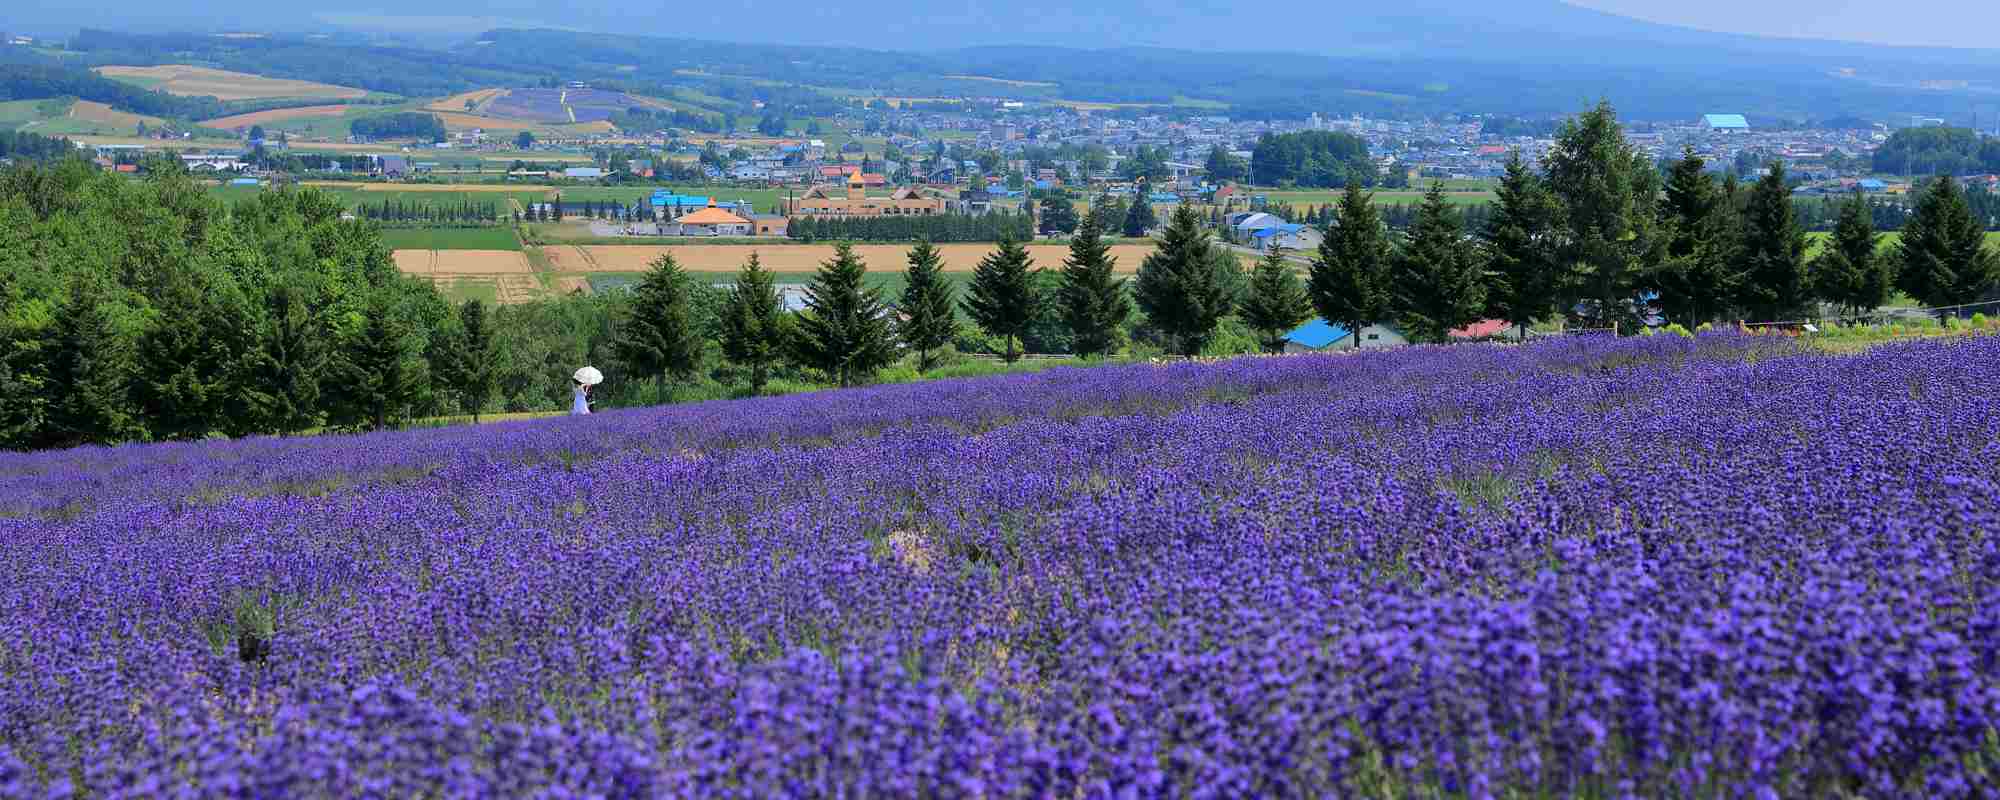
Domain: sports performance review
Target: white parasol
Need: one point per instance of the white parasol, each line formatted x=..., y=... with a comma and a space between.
x=589, y=376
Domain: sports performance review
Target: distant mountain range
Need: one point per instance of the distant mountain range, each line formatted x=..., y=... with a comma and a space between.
x=1524, y=56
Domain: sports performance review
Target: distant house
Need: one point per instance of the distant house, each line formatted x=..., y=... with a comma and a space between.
x=583, y=173
x=715, y=222
x=770, y=225
x=393, y=166
x=1726, y=123
x=1290, y=235
x=1247, y=224
x=1873, y=185
x=1320, y=336
x=1487, y=329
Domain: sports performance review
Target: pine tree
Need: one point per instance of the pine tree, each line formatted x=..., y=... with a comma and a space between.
x=1607, y=190
x=1139, y=217
x=188, y=360
x=1436, y=285
x=289, y=364
x=1092, y=300
x=754, y=324
x=1058, y=217
x=1349, y=278
x=1698, y=276
x=1522, y=277
x=1180, y=285
x=843, y=332
x=1942, y=259
x=930, y=320
x=1277, y=300
x=1773, y=252
x=657, y=337
x=1851, y=272
x=471, y=372
x=377, y=375
x=1002, y=299
x=92, y=368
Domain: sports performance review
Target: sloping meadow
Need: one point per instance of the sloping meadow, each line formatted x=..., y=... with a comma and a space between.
x=1649, y=567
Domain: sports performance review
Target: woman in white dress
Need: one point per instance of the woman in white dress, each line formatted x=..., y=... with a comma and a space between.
x=579, y=403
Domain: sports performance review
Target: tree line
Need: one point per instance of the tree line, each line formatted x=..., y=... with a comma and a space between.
x=1938, y=151
x=1316, y=159
x=25, y=146
x=399, y=125
x=464, y=211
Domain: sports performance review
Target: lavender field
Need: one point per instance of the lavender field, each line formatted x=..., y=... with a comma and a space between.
x=1655, y=567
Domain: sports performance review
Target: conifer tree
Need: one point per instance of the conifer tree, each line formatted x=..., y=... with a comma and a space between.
x=92, y=369
x=754, y=324
x=1607, y=190
x=1436, y=283
x=189, y=358
x=1851, y=272
x=289, y=364
x=1942, y=258
x=1181, y=287
x=930, y=316
x=1092, y=300
x=378, y=373
x=1058, y=217
x=470, y=371
x=1139, y=216
x=1276, y=302
x=843, y=331
x=1698, y=276
x=657, y=336
x=1002, y=299
x=1773, y=252
x=1349, y=278
x=1522, y=276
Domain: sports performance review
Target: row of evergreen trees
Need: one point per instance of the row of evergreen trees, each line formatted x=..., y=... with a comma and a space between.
x=1597, y=237
x=399, y=211
x=913, y=227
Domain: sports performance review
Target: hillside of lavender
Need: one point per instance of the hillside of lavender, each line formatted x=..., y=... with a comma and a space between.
x=1723, y=566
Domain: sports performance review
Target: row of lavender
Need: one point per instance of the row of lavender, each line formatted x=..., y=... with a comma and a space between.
x=1610, y=568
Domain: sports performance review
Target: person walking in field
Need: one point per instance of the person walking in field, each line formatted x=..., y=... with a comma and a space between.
x=580, y=383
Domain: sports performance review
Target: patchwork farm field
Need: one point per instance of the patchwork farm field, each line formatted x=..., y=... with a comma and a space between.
x=183, y=79
x=1655, y=567
x=487, y=238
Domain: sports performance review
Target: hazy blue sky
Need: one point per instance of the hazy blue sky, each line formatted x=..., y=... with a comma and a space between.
x=1949, y=23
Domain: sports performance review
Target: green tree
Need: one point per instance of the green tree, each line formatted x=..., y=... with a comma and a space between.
x=190, y=357
x=930, y=321
x=1349, y=278
x=1058, y=217
x=844, y=331
x=1699, y=274
x=754, y=324
x=1002, y=299
x=1139, y=216
x=377, y=374
x=1608, y=190
x=470, y=371
x=1224, y=167
x=1181, y=285
x=289, y=364
x=1436, y=283
x=1522, y=276
x=657, y=337
x=1851, y=272
x=1276, y=302
x=92, y=368
x=1773, y=252
x=1092, y=300
x=1942, y=258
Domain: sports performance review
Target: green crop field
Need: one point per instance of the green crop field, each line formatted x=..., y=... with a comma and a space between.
x=489, y=238
x=485, y=290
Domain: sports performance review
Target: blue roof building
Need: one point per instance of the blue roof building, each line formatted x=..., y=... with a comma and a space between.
x=1872, y=185
x=1726, y=122
x=1316, y=335
x=1320, y=335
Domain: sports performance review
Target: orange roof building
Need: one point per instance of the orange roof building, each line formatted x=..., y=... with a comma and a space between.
x=712, y=221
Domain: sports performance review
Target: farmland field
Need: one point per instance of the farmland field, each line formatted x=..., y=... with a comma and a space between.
x=488, y=238
x=183, y=79
x=1656, y=567
x=274, y=117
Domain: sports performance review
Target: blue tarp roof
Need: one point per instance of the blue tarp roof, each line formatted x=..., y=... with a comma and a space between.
x=1731, y=121
x=1317, y=334
x=1871, y=184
